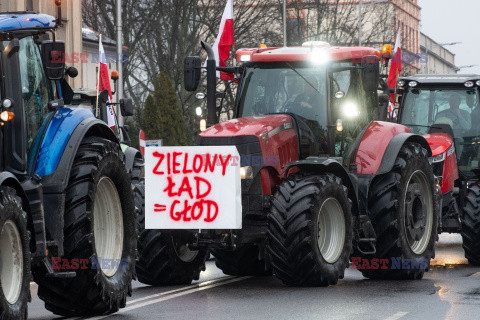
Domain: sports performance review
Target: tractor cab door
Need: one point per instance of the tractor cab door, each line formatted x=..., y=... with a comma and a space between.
x=32, y=108
x=352, y=108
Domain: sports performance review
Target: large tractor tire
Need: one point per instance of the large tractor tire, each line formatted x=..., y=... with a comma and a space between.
x=404, y=216
x=164, y=256
x=470, y=219
x=100, y=226
x=310, y=230
x=243, y=261
x=14, y=257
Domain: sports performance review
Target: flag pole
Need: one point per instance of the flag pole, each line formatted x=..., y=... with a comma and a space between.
x=98, y=73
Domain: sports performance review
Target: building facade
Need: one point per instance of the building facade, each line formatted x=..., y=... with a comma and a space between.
x=438, y=59
x=70, y=32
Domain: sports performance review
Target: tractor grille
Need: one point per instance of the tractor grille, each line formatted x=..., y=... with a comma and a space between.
x=248, y=147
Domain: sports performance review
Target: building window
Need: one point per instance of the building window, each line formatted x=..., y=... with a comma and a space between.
x=29, y=5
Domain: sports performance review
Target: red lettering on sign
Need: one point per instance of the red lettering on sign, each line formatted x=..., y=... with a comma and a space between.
x=174, y=215
x=169, y=188
x=161, y=156
x=175, y=163
x=185, y=187
x=199, y=206
x=211, y=216
x=210, y=163
x=206, y=183
x=185, y=162
x=224, y=163
x=197, y=163
x=168, y=163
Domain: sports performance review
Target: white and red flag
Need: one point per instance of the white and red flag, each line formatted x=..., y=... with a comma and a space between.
x=395, y=68
x=224, y=41
x=104, y=84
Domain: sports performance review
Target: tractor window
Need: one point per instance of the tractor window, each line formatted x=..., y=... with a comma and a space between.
x=459, y=108
x=350, y=104
x=36, y=90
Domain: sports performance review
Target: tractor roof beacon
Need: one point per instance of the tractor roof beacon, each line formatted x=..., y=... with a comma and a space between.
x=62, y=178
x=330, y=179
x=446, y=110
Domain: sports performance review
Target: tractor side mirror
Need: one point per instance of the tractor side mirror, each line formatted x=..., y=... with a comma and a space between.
x=370, y=73
x=126, y=107
x=53, y=58
x=192, y=71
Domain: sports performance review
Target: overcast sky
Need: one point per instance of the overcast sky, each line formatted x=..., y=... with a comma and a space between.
x=455, y=21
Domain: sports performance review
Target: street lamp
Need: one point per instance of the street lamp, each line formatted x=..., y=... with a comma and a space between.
x=360, y=4
x=465, y=67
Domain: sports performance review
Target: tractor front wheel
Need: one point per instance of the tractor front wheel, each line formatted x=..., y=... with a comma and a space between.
x=404, y=216
x=14, y=257
x=99, y=226
x=310, y=230
x=470, y=219
x=164, y=256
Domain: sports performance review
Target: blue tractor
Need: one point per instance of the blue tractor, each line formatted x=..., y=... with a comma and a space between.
x=67, y=211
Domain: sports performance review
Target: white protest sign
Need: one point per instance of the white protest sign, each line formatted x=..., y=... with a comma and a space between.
x=192, y=188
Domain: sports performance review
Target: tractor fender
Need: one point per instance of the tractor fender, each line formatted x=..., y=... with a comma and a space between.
x=57, y=181
x=394, y=147
x=130, y=155
x=379, y=146
x=328, y=165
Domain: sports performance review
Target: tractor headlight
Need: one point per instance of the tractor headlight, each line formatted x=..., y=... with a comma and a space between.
x=401, y=83
x=413, y=84
x=350, y=110
x=469, y=84
x=246, y=173
x=7, y=103
x=478, y=83
x=439, y=157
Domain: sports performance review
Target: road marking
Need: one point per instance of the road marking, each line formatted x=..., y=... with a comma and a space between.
x=174, y=295
x=202, y=284
x=397, y=316
x=476, y=274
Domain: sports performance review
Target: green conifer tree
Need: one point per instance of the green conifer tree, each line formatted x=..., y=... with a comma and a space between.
x=162, y=116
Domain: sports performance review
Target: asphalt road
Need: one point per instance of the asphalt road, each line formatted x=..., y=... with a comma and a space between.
x=451, y=290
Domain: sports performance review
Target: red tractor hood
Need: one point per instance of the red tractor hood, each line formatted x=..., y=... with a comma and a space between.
x=438, y=142
x=249, y=126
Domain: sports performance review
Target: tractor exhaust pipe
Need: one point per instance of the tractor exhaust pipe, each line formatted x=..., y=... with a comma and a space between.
x=211, y=86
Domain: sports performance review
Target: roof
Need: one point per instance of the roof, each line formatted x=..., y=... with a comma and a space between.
x=442, y=78
x=306, y=53
x=91, y=37
x=25, y=20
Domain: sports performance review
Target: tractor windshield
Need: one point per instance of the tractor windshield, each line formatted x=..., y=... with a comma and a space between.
x=285, y=88
x=426, y=109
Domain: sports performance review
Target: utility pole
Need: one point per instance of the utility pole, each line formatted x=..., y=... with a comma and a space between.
x=119, y=29
x=284, y=23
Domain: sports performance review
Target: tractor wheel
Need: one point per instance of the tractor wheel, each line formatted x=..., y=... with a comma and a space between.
x=470, y=219
x=404, y=216
x=243, y=261
x=138, y=171
x=14, y=257
x=165, y=258
x=310, y=230
x=100, y=226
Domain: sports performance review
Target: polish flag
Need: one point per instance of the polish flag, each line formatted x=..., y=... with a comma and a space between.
x=224, y=41
x=104, y=84
x=142, y=141
x=395, y=68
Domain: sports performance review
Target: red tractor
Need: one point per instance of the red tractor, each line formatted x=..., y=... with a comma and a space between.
x=321, y=181
x=446, y=110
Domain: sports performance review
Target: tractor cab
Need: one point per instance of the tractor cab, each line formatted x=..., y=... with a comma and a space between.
x=448, y=104
x=329, y=95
